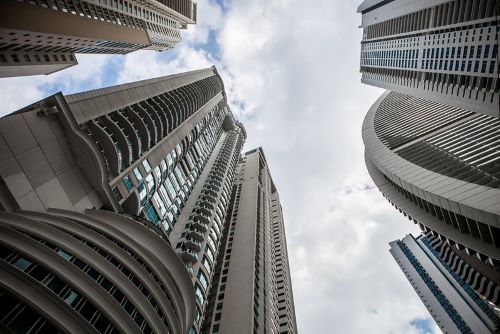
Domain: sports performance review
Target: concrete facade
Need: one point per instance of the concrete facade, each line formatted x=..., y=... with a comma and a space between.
x=453, y=304
x=161, y=152
x=252, y=290
x=164, y=153
x=453, y=198
x=444, y=51
x=45, y=38
x=97, y=272
x=430, y=142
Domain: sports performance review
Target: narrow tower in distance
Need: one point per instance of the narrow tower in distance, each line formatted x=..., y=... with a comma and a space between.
x=42, y=37
x=453, y=304
x=251, y=291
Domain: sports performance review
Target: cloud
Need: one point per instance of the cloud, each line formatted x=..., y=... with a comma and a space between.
x=424, y=326
x=16, y=93
x=291, y=73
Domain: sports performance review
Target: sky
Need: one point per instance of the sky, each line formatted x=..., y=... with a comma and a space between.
x=291, y=73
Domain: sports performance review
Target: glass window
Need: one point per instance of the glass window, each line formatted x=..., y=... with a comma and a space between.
x=203, y=280
x=22, y=263
x=150, y=182
x=65, y=255
x=147, y=166
x=157, y=172
x=72, y=298
x=207, y=265
x=199, y=295
x=137, y=174
x=160, y=204
x=127, y=182
x=151, y=214
x=210, y=254
x=143, y=194
x=170, y=188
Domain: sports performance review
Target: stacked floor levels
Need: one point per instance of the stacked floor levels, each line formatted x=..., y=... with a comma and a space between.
x=453, y=304
x=103, y=167
x=432, y=140
x=42, y=37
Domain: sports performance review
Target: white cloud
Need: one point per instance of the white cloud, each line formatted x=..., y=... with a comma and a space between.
x=16, y=93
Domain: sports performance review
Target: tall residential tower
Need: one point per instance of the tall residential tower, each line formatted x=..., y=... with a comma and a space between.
x=431, y=142
x=149, y=167
x=252, y=291
x=453, y=304
x=45, y=38
x=441, y=50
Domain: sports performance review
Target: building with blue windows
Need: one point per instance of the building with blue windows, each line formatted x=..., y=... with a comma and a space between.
x=453, y=304
x=431, y=140
x=159, y=155
x=441, y=50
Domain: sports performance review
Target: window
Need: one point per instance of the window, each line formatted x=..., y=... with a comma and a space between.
x=202, y=279
x=22, y=263
x=199, y=295
x=137, y=174
x=127, y=182
x=117, y=194
x=147, y=166
x=207, y=265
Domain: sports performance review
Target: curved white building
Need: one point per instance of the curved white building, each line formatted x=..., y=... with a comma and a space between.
x=440, y=166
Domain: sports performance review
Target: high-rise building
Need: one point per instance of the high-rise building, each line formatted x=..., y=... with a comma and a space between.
x=162, y=153
x=98, y=272
x=251, y=291
x=453, y=304
x=42, y=37
x=431, y=144
x=441, y=50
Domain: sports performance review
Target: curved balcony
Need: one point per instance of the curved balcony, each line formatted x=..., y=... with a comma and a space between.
x=140, y=128
x=204, y=211
x=150, y=110
x=196, y=234
x=188, y=255
x=161, y=106
x=203, y=203
x=144, y=115
x=199, y=225
x=201, y=218
x=206, y=200
x=121, y=138
x=193, y=244
x=107, y=146
x=129, y=131
x=208, y=191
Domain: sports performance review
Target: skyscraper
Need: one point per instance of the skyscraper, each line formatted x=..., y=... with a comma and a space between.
x=161, y=154
x=455, y=307
x=98, y=272
x=431, y=142
x=45, y=38
x=444, y=51
x=252, y=291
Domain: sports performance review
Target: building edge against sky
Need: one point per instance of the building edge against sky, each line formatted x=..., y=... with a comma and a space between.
x=46, y=37
x=453, y=304
x=161, y=152
x=252, y=290
x=430, y=141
